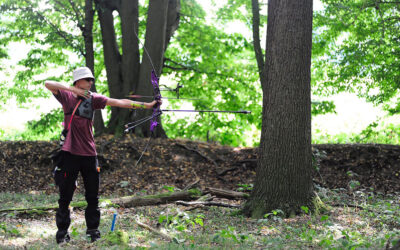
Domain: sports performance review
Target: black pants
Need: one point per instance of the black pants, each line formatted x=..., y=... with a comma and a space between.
x=73, y=164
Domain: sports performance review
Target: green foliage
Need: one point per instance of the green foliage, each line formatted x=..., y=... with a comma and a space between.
x=323, y=107
x=305, y=209
x=9, y=231
x=117, y=237
x=180, y=221
x=275, y=212
x=47, y=122
x=194, y=192
x=218, y=68
x=230, y=233
x=52, y=41
x=373, y=133
x=245, y=187
x=169, y=188
x=47, y=127
x=356, y=49
x=52, y=33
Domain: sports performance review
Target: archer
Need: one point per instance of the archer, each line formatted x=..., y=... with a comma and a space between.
x=79, y=149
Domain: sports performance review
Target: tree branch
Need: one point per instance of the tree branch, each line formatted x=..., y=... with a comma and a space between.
x=189, y=68
x=256, y=38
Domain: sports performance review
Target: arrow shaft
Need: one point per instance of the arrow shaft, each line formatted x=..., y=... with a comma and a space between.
x=206, y=111
x=176, y=98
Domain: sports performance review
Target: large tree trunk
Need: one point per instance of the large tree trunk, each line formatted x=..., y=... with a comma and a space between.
x=162, y=21
x=124, y=71
x=285, y=164
x=120, y=75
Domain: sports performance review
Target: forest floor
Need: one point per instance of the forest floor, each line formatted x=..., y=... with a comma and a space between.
x=26, y=166
x=359, y=183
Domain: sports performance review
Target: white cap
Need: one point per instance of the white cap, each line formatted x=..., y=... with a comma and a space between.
x=81, y=73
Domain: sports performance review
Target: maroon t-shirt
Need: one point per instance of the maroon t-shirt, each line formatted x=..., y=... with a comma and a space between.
x=80, y=140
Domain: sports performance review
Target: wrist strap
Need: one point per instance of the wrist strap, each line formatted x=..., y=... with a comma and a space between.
x=72, y=116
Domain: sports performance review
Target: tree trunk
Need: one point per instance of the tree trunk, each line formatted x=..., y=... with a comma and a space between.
x=256, y=38
x=112, y=60
x=124, y=71
x=284, y=167
x=87, y=32
x=162, y=21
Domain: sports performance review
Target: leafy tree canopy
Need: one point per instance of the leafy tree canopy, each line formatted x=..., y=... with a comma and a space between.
x=219, y=69
x=356, y=49
x=214, y=66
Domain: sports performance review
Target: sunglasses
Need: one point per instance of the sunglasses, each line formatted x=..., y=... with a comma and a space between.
x=89, y=79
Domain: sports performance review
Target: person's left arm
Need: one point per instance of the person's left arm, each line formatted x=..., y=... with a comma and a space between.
x=126, y=103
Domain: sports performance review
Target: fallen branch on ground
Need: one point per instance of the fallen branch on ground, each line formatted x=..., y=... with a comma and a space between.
x=151, y=200
x=148, y=200
x=228, y=194
x=206, y=203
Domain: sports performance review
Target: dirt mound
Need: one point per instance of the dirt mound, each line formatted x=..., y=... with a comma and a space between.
x=26, y=166
x=370, y=166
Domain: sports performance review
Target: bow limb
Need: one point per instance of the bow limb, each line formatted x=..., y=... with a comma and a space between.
x=156, y=89
x=132, y=125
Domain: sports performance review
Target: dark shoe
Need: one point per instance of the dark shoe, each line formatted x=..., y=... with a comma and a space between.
x=62, y=236
x=93, y=234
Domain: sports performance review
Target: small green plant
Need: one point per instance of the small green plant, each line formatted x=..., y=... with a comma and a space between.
x=353, y=184
x=74, y=231
x=169, y=188
x=324, y=218
x=181, y=221
x=275, y=215
x=305, y=209
x=245, y=187
x=230, y=233
x=12, y=231
x=117, y=237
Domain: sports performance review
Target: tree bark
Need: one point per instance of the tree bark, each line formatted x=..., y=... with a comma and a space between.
x=155, y=40
x=124, y=71
x=162, y=22
x=87, y=32
x=112, y=56
x=256, y=38
x=284, y=167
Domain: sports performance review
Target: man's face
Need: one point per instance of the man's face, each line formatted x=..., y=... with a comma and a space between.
x=85, y=83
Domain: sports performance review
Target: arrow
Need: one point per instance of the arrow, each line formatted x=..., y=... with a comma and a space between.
x=207, y=111
x=176, y=98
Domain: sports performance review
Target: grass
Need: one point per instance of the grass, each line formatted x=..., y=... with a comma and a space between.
x=356, y=220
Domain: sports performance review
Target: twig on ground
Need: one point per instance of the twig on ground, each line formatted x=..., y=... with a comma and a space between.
x=198, y=152
x=164, y=235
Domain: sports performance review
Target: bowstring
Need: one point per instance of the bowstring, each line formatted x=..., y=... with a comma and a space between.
x=134, y=124
x=145, y=149
x=145, y=119
x=137, y=121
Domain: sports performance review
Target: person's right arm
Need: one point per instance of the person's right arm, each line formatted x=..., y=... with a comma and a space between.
x=54, y=86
